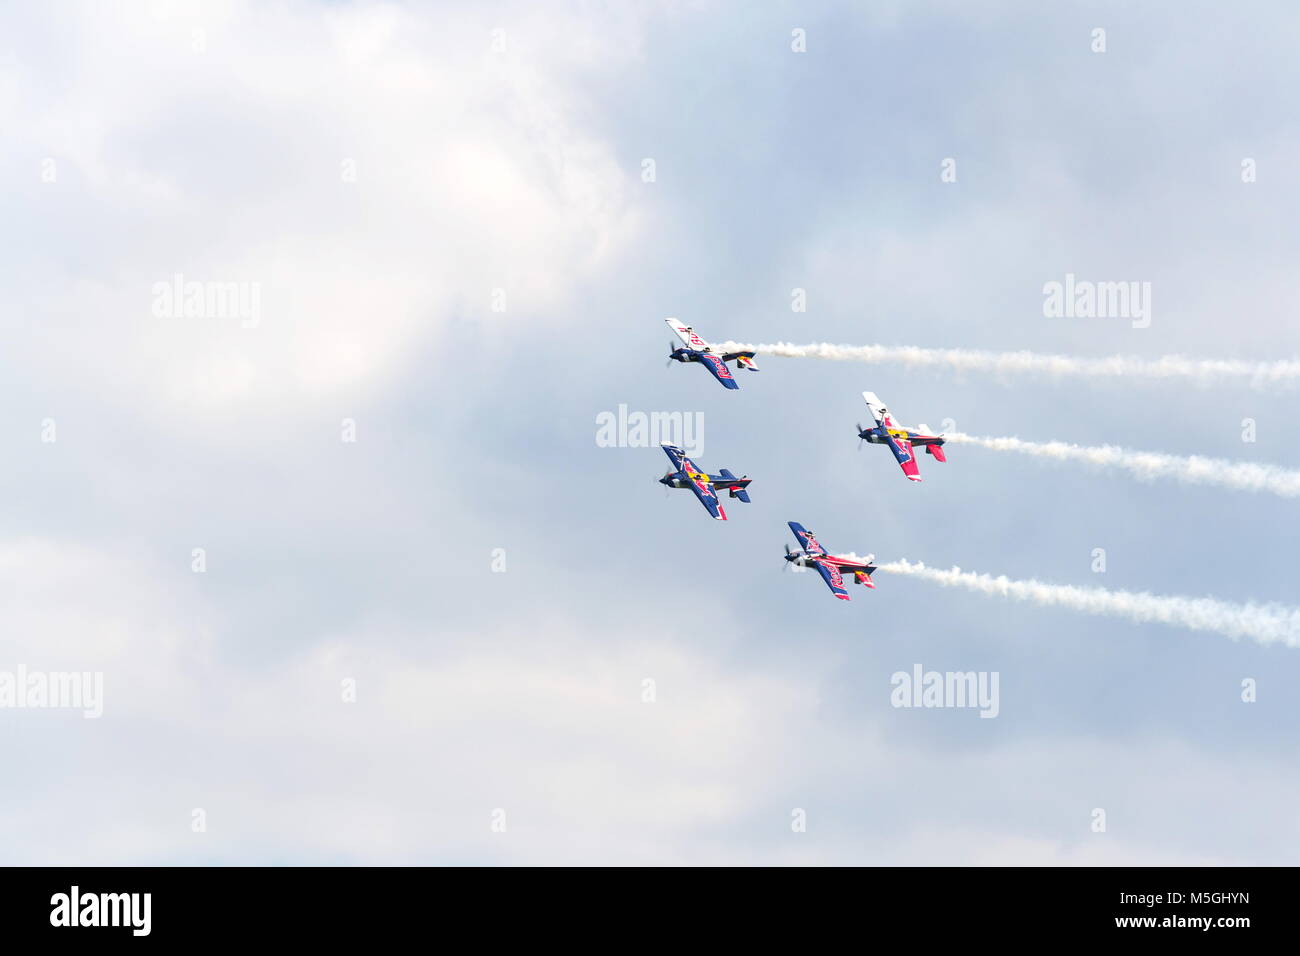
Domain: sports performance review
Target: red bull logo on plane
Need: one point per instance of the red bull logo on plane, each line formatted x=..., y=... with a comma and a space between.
x=718, y=366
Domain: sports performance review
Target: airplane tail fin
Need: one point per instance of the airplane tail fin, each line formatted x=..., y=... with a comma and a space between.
x=742, y=360
x=864, y=578
x=936, y=451
x=738, y=489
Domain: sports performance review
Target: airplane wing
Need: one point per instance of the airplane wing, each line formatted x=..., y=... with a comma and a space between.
x=878, y=410
x=688, y=337
x=675, y=455
x=834, y=580
x=698, y=481
x=901, y=447
x=719, y=369
x=806, y=539
x=708, y=497
x=902, y=450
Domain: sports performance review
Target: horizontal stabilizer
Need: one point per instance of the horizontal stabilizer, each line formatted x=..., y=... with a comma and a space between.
x=742, y=360
x=735, y=485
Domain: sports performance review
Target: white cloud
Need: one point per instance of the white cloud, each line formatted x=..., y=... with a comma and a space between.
x=73, y=607
x=474, y=171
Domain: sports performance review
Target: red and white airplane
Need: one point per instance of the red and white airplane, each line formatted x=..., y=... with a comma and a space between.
x=695, y=349
x=899, y=439
x=831, y=566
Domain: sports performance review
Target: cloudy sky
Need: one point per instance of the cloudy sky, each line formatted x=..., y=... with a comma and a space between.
x=431, y=644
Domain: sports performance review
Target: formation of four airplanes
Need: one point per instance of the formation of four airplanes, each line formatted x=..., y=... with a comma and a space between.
x=685, y=474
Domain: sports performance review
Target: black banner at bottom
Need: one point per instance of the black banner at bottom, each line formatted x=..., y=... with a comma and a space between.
x=334, y=905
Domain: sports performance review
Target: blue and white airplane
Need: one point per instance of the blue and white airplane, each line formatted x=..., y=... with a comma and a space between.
x=832, y=567
x=686, y=474
x=696, y=349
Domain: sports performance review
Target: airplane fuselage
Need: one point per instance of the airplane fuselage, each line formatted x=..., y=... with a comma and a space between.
x=701, y=482
x=876, y=436
x=843, y=562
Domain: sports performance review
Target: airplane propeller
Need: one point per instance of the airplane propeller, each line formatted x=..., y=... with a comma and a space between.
x=860, y=438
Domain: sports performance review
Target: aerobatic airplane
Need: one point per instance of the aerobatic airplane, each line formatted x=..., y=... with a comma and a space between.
x=685, y=474
x=698, y=350
x=899, y=439
x=832, y=566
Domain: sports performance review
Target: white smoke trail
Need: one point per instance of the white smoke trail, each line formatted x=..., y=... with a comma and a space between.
x=1264, y=623
x=1202, y=372
x=1150, y=465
